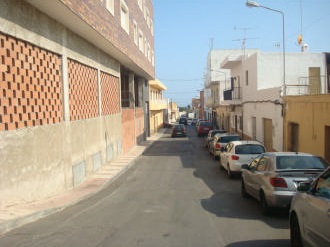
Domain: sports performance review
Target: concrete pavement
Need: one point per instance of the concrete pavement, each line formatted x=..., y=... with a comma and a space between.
x=17, y=215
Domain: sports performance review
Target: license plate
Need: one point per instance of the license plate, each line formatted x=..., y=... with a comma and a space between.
x=206, y=128
x=179, y=133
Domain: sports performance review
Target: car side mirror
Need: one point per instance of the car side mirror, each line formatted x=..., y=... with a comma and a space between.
x=304, y=186
x=245, y=166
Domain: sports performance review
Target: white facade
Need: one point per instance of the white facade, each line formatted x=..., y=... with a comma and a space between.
x=261, y=77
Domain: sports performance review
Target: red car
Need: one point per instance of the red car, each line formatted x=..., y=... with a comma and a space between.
x=203, y=128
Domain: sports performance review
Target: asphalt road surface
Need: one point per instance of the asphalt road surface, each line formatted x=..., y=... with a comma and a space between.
x=175, y=195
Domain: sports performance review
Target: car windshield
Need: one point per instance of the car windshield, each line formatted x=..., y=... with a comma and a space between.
x=300, y=162
x=226, y=139
x=249, y=149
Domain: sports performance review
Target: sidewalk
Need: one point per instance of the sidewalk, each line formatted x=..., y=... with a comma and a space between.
x=18, y=215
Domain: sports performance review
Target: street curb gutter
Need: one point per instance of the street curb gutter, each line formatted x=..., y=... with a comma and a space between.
x=109, y=183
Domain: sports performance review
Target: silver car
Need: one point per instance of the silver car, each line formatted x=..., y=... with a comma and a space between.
x=310, y=213
x=272, y=178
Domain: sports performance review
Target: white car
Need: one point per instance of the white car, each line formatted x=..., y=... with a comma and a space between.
x=237, y=153
x=310, y=213
x=220, y=141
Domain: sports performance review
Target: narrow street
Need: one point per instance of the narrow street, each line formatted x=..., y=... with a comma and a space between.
x=175, y=195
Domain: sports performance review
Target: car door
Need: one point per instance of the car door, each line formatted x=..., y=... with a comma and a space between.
x=257, y=176
x=224, y=156
x=317, y=212
x=248, y=175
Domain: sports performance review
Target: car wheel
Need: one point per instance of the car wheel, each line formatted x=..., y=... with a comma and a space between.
x=265, y=209
x=229, y=172
x=243, y=190
x=295, y=235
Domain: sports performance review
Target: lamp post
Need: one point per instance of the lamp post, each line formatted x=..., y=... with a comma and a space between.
x=255, y=4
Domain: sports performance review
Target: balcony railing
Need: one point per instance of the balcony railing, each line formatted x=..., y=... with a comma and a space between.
x=233, y=94
x=309, y=86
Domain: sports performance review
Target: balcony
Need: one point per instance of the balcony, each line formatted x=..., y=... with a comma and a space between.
x=309, y=86
x=158, y=104
x=233, y=95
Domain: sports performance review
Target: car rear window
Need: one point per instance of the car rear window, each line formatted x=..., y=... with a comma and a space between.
x=226, y=139
x=300, y=162
x=205, y=124
x=217, y=132
x=249, y=149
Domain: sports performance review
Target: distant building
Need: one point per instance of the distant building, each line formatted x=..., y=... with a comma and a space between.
x=158, y=106
x=74, y=90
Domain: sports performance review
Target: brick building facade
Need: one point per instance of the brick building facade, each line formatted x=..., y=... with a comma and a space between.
x=74, y=85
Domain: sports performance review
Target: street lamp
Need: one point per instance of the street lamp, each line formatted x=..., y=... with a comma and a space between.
x=255, y=4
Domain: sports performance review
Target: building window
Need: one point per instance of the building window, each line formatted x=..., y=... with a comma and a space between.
x=152, y=27
x=124, y=78
x=140, y=4
x=141, y=41
x=247, y=77
x=124, y=16
x=136, y=33
x=109, y=4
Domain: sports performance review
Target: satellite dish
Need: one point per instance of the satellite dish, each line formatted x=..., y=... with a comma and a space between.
x=300, y=39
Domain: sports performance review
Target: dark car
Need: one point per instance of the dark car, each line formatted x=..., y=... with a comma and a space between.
x=179, y=130
x=203, y=128
x=183, y=120
x=194, y=121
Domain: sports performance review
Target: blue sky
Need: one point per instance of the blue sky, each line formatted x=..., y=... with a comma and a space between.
x=184, y=30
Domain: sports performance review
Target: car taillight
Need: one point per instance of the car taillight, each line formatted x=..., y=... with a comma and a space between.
x=278, y=182
x=218, y=146
x=235, y=157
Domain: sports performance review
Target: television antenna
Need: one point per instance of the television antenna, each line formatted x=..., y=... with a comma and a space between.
x=243, y=40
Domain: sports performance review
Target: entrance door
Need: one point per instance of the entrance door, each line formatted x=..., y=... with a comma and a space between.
x=327, y=143
x=293, y=135
x=268, y=134
x=314, y=81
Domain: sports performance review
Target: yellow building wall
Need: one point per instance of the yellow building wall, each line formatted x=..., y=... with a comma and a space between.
x=312, y=114
x=156, y=121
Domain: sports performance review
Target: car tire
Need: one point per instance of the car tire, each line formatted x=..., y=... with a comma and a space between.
x=265, y=209
x=295, y=234
x=243, y=190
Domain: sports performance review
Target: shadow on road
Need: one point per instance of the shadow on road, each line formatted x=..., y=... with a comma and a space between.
x=226, y=200
x=262, y=243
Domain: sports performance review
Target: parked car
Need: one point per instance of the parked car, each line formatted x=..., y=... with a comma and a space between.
x=237, y=153
x=179, y=130
x=183, y=120
x=272, y=178
x=211, y=135
x=309, y=213
x=193, y=121
x=203, y=128
x=219, y=141
x=199, y=121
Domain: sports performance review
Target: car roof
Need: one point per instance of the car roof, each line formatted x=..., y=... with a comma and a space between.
x=288, y=154
x=228, y=134
x=243, y=142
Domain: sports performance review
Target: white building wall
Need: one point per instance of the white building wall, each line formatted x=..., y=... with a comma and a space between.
x=262, y=94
